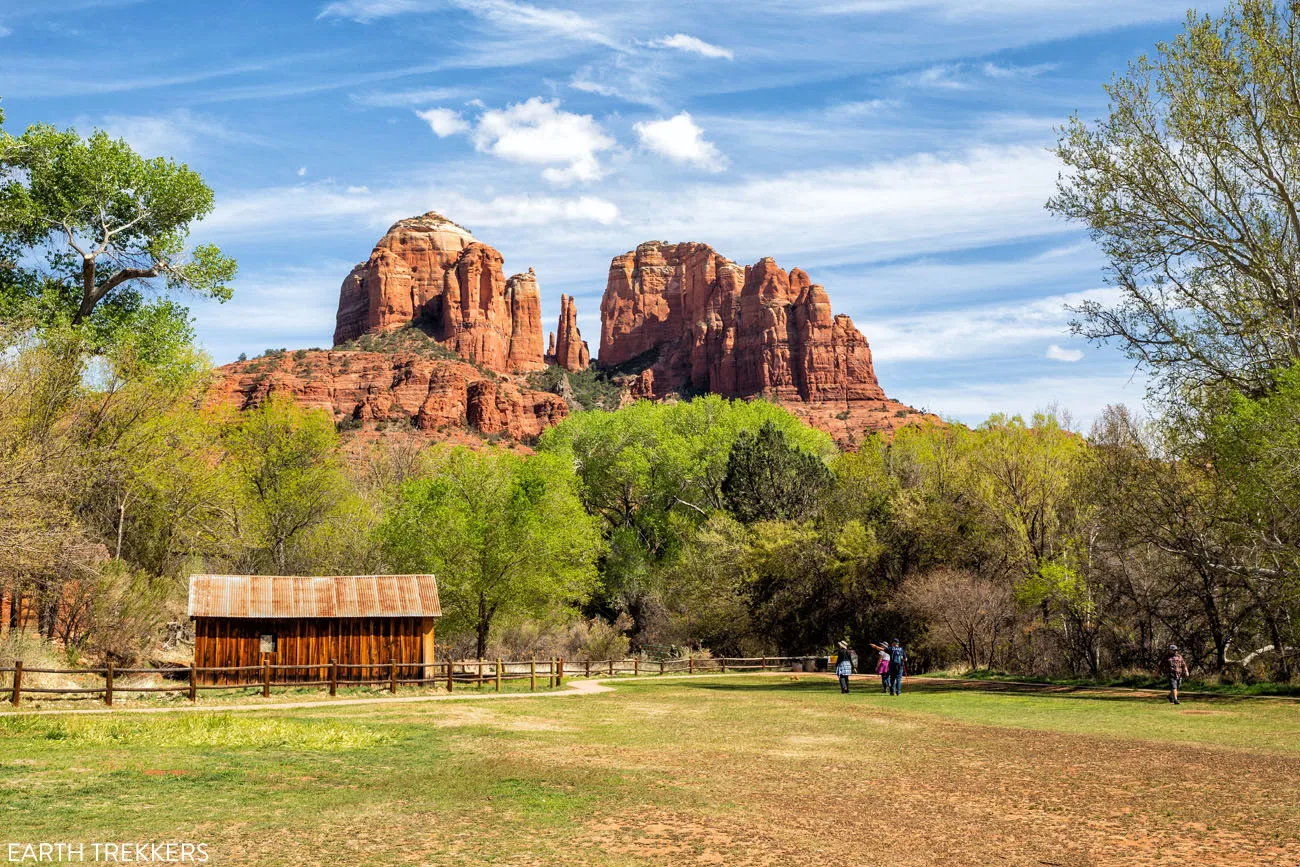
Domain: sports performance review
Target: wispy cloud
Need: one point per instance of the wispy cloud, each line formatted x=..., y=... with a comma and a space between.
x=327, y=207
x=694, y=45
x=178, y=133
x=1004, y=328
x=407, y=98
x=507, y=15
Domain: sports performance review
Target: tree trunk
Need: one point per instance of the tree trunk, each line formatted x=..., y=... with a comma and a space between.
x=481, y=628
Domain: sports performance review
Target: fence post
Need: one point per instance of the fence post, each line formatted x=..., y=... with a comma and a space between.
x=480, y=671
x=450, y=680
x=559, y=673
x=611, y=666
x=532, y=675
x=392, y=675
x=690, y=664
x=108, y=685
x=764, y=664
x=18, y=682
x=499, y=664
x=586, y=671
x=194, y=683
x=722, y=661
x=661, y=666
x=266, y=678
x=334, y=678
x=636, y=666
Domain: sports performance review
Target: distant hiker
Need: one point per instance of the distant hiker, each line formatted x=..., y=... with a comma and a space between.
x=882, y=665
x=1176, y=666
x=844, y=665
x=897, y=665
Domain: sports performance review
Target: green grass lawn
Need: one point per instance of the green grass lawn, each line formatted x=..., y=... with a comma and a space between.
x=727, y=770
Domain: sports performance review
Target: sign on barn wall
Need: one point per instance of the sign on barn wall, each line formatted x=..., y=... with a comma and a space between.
x=268, y=644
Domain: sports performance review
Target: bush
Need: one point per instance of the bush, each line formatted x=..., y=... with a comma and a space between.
x=607, y=640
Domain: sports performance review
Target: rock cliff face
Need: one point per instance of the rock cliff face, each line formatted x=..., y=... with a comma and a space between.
x=568, y=350
x=435, y=395
x=684, y=319
x=429, y=271
x=714, y=326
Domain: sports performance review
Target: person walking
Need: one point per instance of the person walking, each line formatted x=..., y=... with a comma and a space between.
x=882, y=665
x=897, y=665
x=1176, y=666
x=844, y=665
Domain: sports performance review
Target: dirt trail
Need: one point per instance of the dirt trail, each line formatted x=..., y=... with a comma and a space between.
x=593, y=686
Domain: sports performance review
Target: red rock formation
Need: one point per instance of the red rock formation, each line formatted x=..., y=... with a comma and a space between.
x=685, y=319
x=430, y=271
x=569, y=350
x=432, y=394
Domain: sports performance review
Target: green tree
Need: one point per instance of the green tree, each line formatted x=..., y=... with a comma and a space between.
x=108, y=223
x=506, y=536
x=1189, y=187
x=285, y=462
x=653, y=472
x=768, y=479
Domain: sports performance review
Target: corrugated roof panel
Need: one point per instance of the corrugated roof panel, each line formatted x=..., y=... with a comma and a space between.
x=316, y=596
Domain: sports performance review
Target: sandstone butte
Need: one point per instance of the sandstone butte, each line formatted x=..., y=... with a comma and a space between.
x=431, y=272
x=676, y=319
x=683, y=319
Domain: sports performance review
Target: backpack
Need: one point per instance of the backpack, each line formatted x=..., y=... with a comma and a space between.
x=896, y=656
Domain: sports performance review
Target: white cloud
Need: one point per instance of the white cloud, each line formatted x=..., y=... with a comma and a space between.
x=537, y=132
x=692, y=45
x=302, y=171
x=4, y=31
x=444, y=121
x=680, y=140
x=1056, y=353
x=356, y=191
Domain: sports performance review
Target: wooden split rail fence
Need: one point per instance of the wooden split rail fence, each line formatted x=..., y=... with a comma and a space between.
x=477, y=672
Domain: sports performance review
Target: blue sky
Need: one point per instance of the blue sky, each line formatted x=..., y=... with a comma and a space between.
x=896, y=150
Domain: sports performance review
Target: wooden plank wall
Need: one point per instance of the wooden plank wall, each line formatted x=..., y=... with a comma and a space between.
x=371, y=642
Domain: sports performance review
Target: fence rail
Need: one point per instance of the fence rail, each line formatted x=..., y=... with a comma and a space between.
x=448, y=673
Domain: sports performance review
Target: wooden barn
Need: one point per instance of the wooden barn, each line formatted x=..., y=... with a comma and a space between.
x=368, y=621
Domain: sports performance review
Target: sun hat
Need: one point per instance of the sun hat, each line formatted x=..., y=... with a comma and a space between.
x=1173, y=647
x=842, y=643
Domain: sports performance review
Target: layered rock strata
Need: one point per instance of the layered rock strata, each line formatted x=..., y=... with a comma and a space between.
x=434, y=395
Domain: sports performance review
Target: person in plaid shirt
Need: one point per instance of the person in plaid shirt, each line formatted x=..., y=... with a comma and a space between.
x=1177, y=668
x=844, y=665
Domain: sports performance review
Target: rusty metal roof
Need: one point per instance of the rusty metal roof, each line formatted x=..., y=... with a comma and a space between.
x=328, y=596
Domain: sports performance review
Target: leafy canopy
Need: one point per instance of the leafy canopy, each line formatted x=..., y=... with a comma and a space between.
x=1189, y=187
x=506, y=537
x=88, y=227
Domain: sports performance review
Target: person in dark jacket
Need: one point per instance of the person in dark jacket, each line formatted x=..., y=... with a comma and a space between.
x=844, y=665
x=897, y=665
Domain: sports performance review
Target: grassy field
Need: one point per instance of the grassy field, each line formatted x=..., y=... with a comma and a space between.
x=726, y=770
